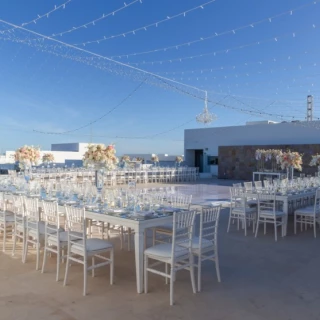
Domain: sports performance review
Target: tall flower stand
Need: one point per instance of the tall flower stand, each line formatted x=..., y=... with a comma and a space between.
x=99, y=181
x=290, y=173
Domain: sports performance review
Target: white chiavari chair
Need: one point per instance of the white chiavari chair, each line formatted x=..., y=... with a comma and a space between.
x=6, y=221
x=268, y=213
x=80, y=249
x=178, y=254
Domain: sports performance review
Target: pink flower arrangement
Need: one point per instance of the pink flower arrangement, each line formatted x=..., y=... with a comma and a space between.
x=27, y=156
x=290, y=159
x=48, y=157
x=155, y=158
x=125, y=158
x=101, y=155
x=179, y=159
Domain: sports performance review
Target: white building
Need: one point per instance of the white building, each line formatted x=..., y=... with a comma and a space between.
x=62, y=152
x=201, y=145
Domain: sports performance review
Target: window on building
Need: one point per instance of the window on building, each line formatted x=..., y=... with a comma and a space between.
x=213, y=160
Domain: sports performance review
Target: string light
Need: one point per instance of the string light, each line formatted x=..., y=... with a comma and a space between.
x=155, y=24
x=214, y=35
x=93, y=22
x=99, y=56
x=47, y=14
x=223, y=51
x=97, y=64
x=234, y=67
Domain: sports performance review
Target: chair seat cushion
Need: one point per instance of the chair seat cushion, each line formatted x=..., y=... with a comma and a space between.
x=269, y=213
x=52, y=239
x=32, y=229
x=164, y=250
x=252, y=202
x=244, y=210
x=205, y=243
x=92, y=245
x=307, y=211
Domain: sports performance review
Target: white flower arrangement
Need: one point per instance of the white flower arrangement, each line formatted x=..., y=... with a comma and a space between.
x=155, y=158
x=268, y=154
x=125, y=158
x=27, y=156
x=101, y=155
x=179, y=159
x=315, y=161
x=48, y=157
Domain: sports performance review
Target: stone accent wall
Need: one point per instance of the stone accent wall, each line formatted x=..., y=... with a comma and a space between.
x=238, y=162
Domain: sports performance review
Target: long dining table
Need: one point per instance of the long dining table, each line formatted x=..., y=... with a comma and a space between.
x=286, y=198
x=139, y=227
x=139, y=224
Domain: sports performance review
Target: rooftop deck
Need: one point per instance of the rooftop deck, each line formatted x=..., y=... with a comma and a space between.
x=261, y=279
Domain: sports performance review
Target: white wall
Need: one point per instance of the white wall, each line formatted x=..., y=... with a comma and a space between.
x=259, y=134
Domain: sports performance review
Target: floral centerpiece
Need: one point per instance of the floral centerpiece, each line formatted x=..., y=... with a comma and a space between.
x=48, y=157
x=155, y=158
x=179, y=159
x=265, y=155
x=290, y=160
x=27, y=156
x=125, y=158
x=315, y=160
x=100, y=156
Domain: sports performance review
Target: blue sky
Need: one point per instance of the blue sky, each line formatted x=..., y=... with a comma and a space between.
x=266, y=67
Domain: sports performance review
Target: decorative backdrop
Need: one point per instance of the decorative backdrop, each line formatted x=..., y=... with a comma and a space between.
x=239, y=162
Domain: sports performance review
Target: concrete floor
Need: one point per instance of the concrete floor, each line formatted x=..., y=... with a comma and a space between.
x=261, y=279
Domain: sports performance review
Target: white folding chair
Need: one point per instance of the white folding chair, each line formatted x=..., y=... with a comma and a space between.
x=19, y=223
x=55, y=238
x=177, y=254
x=35, y=228
x=268, y=213
x=240, y=211
x=6, y=221
x=205, y=247
x=309, y=215
x=81, y=248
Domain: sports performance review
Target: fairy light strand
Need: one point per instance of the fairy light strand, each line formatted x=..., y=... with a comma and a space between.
x=99, y=56
x=45, y=15
x=93, y=22
x=144, y=28
x=215, y=35
x=222, y=51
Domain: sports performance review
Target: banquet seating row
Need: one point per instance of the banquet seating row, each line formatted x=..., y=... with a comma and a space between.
x=119, y=177
x=39, y=224
x=264, y=206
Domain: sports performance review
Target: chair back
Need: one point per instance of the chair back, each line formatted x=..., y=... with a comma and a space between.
x=18, y=205
x=209, y=222
x=51, y=216
x=182, y=232
x=258, y=185
x=32, y=209
x=248, y=186
x=267, y=203
x=76, y=226
x=3, y=206
x=180, y=201
x=237, y=185
x=317, y=202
